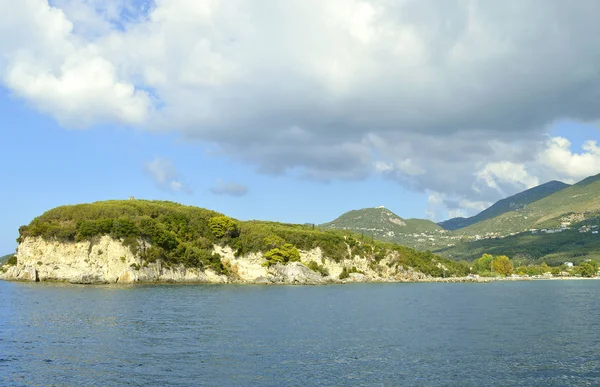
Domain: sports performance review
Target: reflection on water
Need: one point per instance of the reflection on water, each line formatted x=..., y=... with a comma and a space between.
x=516, y=333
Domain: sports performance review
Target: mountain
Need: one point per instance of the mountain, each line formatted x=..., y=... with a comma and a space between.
x=379, y=221
x=383, y=224
x=565, y=207
x=549, y=206
x=512, y=203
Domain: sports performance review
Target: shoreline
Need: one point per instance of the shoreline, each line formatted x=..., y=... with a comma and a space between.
x=481, y=280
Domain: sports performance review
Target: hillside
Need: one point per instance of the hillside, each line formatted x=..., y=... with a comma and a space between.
x=564, y=207
x=379, y=221
x=4, y=259
x=580, y=242
x=174, y=234
x=383, y=224
x=513, y=203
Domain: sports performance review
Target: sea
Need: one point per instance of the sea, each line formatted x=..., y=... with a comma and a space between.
x=530, y=333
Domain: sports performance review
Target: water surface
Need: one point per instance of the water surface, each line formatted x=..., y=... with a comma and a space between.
x=506, y=333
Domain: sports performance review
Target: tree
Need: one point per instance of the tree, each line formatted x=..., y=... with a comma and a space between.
x=223, y=226
x=287, y=253
x=483, y=264
x=502, y=265
x=588, y=269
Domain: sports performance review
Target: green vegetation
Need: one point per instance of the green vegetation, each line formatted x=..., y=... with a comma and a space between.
x=512, y=203
x=344, y=274
x=178, y=234
x=382, y=224
x=488, y=265
x=582, y=199
x=586, y=269
x=502, y=265
x=312, y=265
x=527, y=248
x=284, y=254
x=4, y=259
x=382, y=219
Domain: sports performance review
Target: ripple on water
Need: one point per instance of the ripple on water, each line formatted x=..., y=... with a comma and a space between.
x=528, y=333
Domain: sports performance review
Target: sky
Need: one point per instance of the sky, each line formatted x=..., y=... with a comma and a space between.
x=294, y=111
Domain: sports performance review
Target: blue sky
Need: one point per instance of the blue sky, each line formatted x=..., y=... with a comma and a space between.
x=431, y=109
x=45, y=165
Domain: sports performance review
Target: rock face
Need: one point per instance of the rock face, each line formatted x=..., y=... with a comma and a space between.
x=105, y=260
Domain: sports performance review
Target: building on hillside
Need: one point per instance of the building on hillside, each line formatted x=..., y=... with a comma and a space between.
x=568, y=264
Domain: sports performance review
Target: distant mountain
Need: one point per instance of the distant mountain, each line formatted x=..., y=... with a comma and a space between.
x=380, y=220
x=383, y=224
x=4, y=259
x=564, y=207
x=513, y=203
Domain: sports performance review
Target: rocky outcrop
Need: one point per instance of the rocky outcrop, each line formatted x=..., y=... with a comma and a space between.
x=105, y=260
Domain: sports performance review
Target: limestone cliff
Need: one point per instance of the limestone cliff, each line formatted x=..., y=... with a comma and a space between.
x=105, y=260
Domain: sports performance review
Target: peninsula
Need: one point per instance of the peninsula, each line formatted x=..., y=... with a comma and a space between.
x=140, y=241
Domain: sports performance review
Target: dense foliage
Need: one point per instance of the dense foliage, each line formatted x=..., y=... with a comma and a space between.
x=489, y=265
x=492, y=266
x=174, y=233
x=532, y=249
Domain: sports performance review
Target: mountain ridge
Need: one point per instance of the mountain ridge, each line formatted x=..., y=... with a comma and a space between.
x=562, y=208
x=511, y=203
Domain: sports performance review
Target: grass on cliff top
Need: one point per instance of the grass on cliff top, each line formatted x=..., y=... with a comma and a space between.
x=186, y=234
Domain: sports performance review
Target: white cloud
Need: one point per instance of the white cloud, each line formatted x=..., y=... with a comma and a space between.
x=505, y=172
x=441, y=96
x=441, y=206
x=570, y=166
x=166, y=177
x=60, y=73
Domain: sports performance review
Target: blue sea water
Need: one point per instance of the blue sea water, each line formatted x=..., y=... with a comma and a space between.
x=543, y=333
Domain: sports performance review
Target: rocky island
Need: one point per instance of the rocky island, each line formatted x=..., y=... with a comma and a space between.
x=139, y=241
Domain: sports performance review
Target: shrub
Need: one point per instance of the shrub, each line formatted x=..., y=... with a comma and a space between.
x=344, y=274
x=312, y=265
x=12, y=261
x=287, y=253
x=222, y=226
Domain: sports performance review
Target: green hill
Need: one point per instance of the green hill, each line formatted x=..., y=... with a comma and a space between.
x=566, y=206
x=513, y=203
x=186, y=235
x=383, y=224
x=379, y=221
x=4, y=259
x=571, y=245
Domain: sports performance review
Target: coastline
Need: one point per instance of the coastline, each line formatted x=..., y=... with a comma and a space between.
x=325, y=282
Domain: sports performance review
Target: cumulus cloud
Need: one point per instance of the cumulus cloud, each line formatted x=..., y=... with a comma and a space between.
x=494, y=175
x=571, y=166
x=229, y=188
x=443, y=96
x=166, y=177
